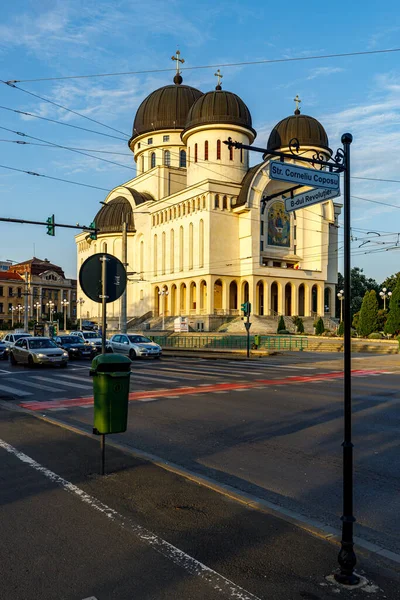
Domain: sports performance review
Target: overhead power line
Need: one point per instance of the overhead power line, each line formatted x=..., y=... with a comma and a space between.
x=23, y=143
x=112, y=162
x=212, y=66
x=28, y=114
x=95, y=187
x=74, y=112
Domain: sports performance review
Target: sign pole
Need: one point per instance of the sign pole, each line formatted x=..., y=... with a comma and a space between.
x=248, y=333
x=347, y=558
x=103, y=341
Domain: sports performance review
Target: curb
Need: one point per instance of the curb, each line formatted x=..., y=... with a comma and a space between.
x=312, y=526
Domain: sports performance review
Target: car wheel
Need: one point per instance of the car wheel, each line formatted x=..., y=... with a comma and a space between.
x=31, y=363
x=12, y=359
x=132, y=355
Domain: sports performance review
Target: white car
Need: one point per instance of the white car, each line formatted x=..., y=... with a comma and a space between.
x=11, y=338
x=135, y=346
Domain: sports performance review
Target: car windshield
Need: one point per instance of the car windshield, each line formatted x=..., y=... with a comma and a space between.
x=70, y=339
x=139, y=339
x=90, y=335
x=22, y=335
x=39, y=344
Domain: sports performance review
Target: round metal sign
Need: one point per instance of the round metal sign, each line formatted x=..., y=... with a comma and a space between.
x=90, y=277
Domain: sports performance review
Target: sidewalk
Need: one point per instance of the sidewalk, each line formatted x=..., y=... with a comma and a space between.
x=142, y=532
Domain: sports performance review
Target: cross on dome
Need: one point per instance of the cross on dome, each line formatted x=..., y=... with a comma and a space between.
x=218, y=74
x=297, y=100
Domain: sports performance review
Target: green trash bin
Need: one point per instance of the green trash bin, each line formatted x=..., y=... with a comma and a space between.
x=111, y=373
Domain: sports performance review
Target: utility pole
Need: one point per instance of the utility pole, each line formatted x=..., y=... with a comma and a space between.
x=26, y=302
x=125, y=263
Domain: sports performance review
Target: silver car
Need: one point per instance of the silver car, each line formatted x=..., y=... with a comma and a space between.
x=38, y=351
x=11, y=338
x=135, y=346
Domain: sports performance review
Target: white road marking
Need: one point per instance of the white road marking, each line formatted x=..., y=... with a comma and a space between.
x=39, y=386
x=4, y=372
x=179, y=557
x=74, y=385
x=77, y=377
x=14, y=391
x=150, y=378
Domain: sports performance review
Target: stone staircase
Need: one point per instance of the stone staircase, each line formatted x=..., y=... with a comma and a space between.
x=268, y=325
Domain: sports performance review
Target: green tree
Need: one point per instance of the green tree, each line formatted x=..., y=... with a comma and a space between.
x=390, y=282
x=281, y=324
x=393, y=321
x=382, y=318
x=319, y=327
x=300, y=325
x=340, y=330
x=359, y=284
x=368, y=320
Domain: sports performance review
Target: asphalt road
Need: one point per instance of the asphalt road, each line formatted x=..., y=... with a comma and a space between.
x=271, y=427
x=142, y=532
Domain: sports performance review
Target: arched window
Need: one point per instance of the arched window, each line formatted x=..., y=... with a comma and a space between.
x=182, y=158
x=172, y=251
x=142, y=163
x=141, y=257
x=163, y=253
x=204, y=202
x=241, y=155
x=231, y=153
x=181, y=248
x=218, y=149
x=155, y=256
x=153, y=160
x=206, y=150
x=224, y=203
x=167, y=158
x=195, y=153
x=191, y=246
x=201, y=243
x=216, y=201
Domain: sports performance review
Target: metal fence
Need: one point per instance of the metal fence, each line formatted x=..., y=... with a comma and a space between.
x=232, y=342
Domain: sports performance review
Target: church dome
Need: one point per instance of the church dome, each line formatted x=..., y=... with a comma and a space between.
x=165, y=108
x=219, y=107
x=306, y=129
x=110, y=217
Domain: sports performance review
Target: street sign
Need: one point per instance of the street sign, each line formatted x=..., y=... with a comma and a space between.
x=301, y=175
x=90, y=278
x=309, y=198
x=247, y=326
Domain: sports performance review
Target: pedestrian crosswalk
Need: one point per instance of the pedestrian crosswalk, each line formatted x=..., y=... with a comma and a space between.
x=147, y=376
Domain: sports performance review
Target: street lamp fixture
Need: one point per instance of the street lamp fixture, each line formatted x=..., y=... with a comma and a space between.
x=64, y=304
x=37, y=306
x=80, y=301
x=340, y=295
x=163, y=294
x=50, y=304
x=384, y=294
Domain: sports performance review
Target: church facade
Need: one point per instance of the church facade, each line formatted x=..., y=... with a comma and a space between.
x=200, y=240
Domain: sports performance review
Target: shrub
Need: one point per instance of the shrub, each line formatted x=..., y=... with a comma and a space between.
x=375, y=336
x=281, y=324
x=319, y=327
x=393, y=321
x=340, y=330
x=298, y=322
x=368, y=320
x=283, y=332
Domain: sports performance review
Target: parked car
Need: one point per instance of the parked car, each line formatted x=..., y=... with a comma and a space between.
x=135, y=346
x=3, y=350
x=89, y=325
x=75, y=346
x=93, y=339
x=11, y=338
x=38, y=351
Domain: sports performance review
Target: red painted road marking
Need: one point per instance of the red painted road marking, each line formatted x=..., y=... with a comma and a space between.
x=216, y=387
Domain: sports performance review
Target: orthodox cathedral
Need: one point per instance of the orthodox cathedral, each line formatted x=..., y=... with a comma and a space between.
x=200, y=241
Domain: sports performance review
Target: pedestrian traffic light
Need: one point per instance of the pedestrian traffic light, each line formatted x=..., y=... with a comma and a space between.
x=93, y=234
x=51, y=230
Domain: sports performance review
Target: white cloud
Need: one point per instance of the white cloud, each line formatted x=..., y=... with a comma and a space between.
x=324, y=72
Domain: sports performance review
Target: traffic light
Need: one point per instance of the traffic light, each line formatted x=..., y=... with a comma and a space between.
x=93, y=234
x=51, y=230
x=246, y=308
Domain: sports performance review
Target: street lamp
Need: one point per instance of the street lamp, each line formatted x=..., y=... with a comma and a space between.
x=50, y=304
x=340, y=295
x=12, y=311
x=37, y=306
x=64, y=304
x=384, y=295
x=19, y=308
x=80, y=301
x=163, y=294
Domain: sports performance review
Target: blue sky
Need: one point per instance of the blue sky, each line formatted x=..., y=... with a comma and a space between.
x=77, y=37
